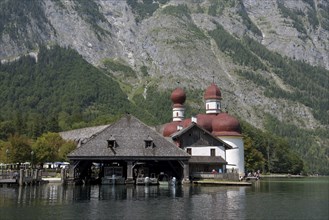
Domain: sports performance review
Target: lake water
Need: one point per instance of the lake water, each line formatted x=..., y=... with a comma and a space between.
x=300, y=198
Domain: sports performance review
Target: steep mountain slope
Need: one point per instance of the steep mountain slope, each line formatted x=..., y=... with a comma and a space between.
x=258, y=52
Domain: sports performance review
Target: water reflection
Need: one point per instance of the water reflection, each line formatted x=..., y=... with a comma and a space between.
x=263, y=200
x=173, y=202
x=135, y=192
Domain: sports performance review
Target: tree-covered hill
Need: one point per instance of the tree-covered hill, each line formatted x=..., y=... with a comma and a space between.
x=57, y=91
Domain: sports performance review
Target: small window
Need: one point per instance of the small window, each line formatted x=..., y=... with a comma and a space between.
x=148, y=142
x=212, y=152
x=111, y=143
x=189, y=151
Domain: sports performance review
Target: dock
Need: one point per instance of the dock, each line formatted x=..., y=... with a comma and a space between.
x=222, y=183
x=29, y=177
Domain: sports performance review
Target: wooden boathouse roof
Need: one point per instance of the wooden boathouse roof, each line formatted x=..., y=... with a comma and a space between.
x=126, y=139
x=82, y=133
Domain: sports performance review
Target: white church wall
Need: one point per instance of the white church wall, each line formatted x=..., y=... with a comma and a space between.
x=205, y=151
x=235, y=156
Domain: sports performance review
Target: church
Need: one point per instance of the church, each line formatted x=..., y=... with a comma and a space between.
x=128, y=150
x=215, y=124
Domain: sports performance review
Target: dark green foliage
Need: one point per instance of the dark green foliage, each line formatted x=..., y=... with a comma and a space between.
x=144, y=9
x=312, y=18
x=293, y=15
x=311, y=13
x=7, y=128
x=254, y=159
x=180, y=11
x=216, y=8
x=60, y=91
x=256, y=78
x=235, y=49
x=277, y=155
x=310, y=3
x=17, y=15
x=116, y=66
x=157, y=104
x=324, y=21
x=304, y=143
x=89, y=11
x=143, y=69
x=311, y=83
x=246, y=20
x=19, y=149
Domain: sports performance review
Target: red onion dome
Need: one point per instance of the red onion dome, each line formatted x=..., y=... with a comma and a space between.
x=178, y=96
x=186, y=122
x=225, y=125
x=170, y=128
x=205, y=121
x=212, y=92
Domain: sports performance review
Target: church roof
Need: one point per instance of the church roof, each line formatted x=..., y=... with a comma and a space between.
x=212, y=92
x=130, y=136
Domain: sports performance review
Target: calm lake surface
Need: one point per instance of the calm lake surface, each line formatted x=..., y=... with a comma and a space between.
x=300, y=198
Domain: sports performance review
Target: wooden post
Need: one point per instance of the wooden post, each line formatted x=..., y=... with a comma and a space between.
x=63, y=176
x=21, y=177
x=130, y=179
x=186, y=172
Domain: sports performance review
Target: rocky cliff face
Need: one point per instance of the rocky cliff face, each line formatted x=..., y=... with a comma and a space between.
x=174, y=44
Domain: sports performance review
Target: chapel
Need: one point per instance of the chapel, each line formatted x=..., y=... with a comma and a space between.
x=216, y=122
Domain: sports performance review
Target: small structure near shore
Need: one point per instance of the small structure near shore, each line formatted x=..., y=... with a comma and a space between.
x=129, y=150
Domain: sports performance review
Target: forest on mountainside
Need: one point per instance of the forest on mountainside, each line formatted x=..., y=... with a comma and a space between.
x=309, y=82
x=309, y=86
x=60, y=88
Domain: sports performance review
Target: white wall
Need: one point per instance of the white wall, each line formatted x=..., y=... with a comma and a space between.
x=212, y=106
x=205, y=151
x=178, y=114
x=235, y=156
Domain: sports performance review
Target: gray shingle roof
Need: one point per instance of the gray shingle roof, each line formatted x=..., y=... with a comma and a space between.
x=82, y=133
x=129, y=134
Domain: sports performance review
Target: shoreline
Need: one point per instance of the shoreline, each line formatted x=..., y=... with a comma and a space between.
x=289, y=176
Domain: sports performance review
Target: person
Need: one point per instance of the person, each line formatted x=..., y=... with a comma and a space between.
x=213, y=171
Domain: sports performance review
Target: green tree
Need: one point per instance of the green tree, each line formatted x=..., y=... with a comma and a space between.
x=6, y=128
x=19, y=149
x=65, y=149
x=46, y=148
x=254, y=160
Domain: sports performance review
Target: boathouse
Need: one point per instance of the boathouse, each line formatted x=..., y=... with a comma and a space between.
x=126, y=150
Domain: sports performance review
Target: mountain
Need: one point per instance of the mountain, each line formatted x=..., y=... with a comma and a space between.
x=270, y=58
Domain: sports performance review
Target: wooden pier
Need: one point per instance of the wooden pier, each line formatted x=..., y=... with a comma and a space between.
x=26, y=177
x=223, y=183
